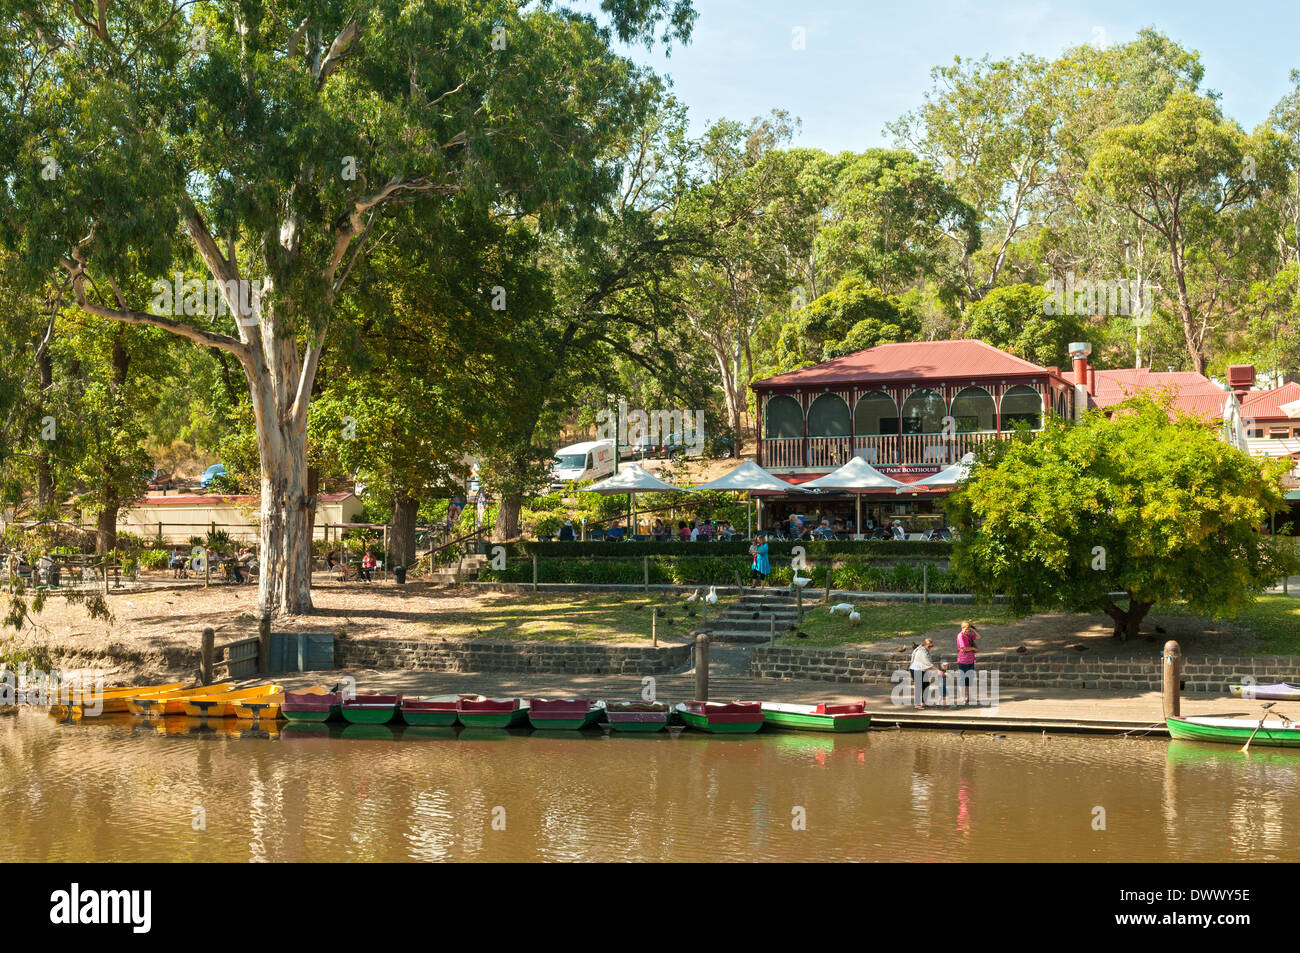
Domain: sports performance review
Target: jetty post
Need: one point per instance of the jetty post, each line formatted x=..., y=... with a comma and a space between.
x=702, y=667
x=645, y=574
x=534, y=572
x=654, y=634
x=1172, y=670
x=205, y=655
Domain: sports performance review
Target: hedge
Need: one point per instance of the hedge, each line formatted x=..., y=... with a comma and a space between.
x=820, y=549
x=720, y=570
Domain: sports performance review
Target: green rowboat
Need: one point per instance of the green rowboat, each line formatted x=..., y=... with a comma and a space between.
x=439, y=711
x=637, y=716
x=721, y=717
x=565, y=714
x=312, y=707
x=492, y=712
x=1273, y=733
x=370, y=709
x=822, y=717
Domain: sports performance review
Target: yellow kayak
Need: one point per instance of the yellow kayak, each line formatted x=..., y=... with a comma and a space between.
x=267, y=707
x=110, y=700
x=223, y=705
x=170, y=703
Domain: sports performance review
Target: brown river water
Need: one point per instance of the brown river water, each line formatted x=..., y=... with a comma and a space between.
x=118, y=789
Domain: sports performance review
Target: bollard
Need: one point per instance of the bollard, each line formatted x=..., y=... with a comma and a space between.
x=205, y=656
x=645, y=573
x=925, y=584
x=1173, y=665
x=798, y=592
x=534, y=572
x=702, y=667
x=654, y=631
x=830, y=571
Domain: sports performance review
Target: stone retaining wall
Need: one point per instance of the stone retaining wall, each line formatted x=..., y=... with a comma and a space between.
x=1211, y=675
x=559, y=658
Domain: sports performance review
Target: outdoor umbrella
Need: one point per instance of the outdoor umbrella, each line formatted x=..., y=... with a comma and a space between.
x=856, y=476
x=748, y=476
x=633, y=479
x=949, y=477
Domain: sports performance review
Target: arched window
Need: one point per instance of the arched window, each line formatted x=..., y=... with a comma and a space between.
x=875, y=414
x=782, y=417
x=923, y=412
x=973, y=409
x=1021, y=404
x=828, y=416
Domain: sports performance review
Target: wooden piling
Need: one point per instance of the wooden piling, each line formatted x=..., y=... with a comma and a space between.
x=264, y=643
x=1172, y=672
x=645, y=573
x=205, y=656
x=702, y=667
x=534, y=572
x=798, y=594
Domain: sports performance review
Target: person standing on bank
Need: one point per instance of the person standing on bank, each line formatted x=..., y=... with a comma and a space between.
x=761, y=566
x=921, y=663
x=966, y=649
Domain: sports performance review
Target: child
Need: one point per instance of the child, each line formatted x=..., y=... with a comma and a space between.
x=760, y=566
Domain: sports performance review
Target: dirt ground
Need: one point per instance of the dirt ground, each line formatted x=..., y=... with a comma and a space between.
x=158, y=626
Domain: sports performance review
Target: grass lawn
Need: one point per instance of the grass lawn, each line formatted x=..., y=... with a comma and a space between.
x=543, y=617
x=1274, y=619
x=888, y=620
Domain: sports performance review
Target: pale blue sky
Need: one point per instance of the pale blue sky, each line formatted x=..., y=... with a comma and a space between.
x=868, y=62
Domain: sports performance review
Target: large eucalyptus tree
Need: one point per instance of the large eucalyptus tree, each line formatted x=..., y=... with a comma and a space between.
x=258, y=144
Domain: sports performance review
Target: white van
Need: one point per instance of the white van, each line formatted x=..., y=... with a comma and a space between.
x=592, y=460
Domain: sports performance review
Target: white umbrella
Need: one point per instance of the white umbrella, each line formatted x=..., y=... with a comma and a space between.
x=633, y=479
x=748, y=476
x=855, y=476
x=949, y=477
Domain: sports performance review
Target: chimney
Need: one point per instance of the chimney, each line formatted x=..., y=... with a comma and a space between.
x=1079, y=351
x=1241, y=378
x=1092, y=379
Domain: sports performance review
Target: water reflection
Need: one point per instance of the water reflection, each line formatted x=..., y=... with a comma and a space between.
x=128, y=789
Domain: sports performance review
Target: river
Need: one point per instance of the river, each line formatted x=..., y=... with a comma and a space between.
x=123, y=789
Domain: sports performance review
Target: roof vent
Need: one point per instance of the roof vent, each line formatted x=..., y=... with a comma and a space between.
x=1080, y=349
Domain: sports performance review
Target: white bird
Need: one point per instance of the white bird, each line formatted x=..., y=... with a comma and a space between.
x=694, y=596
x=712, y=597
x=842, y=607
x=854, y=617
x=801, y=581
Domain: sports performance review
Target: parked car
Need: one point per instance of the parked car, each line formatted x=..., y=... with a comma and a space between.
x=211, y=473
x=159, y=480
x=583, y=461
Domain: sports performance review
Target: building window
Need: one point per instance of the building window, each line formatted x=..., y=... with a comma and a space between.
x=973, y=410
x=828, y=416
x=782, y=417
x=1021, y=404
x=876, y=414
x=923, y=412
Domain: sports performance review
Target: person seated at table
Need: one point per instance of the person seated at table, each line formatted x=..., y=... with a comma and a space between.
x=368, y=563
x=731, y=529
x=683, y=532
x=659, y=530
x=616, y=531
x=706, y=532
x=899, y=532
x=238, y=563
x=567, y=535
x=177, y=565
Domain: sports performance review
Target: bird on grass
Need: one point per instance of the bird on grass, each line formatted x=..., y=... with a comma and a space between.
x=1021, y=650
x=801, y=634
x=855, y=617
x=842, y=608
x=694, y=596
x=712, y=597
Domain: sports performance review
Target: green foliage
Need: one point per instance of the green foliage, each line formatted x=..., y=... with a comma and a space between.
x=1014, y=319
x=1160, y=509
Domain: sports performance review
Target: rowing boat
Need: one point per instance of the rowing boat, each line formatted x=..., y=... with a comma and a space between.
x=478, y=712
x=721, y=717
x=367, y=708
x=107, y=702
x=267, y=707
x=636, y=716
x=1279, y=692
x=1272, y=733
x=439, y=711
x=822, y=717
x=223, y=705
x=172, y=703
x=312, y=707
x=564, y=714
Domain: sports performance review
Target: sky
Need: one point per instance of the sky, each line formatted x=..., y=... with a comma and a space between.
x=866, y=63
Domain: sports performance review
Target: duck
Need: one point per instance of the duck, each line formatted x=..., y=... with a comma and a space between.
x=842, y=607
x=694, y=596
x=801, y=581
x=712, y=597
x=855, y=617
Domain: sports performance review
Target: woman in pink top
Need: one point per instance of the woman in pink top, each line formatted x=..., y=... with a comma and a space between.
x=966, y=649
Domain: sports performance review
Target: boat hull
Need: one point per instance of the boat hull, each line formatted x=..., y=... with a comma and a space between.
x=643, y=721
x=311, y=715
x=1280, y=692
x=431, y=718
x=493, y=719
x=798, y=721
x=369, y=715
x=1269, y=736
x=565, y=714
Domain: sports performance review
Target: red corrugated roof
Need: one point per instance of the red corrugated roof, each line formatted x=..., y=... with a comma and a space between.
x=1266, y=405
x=916, y=360
x=1192, y=393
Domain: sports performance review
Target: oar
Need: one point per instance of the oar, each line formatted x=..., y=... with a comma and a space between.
x=1246, y=747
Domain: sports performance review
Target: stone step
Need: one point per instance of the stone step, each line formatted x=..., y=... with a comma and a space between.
x=732, y=636
x=750, y=625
